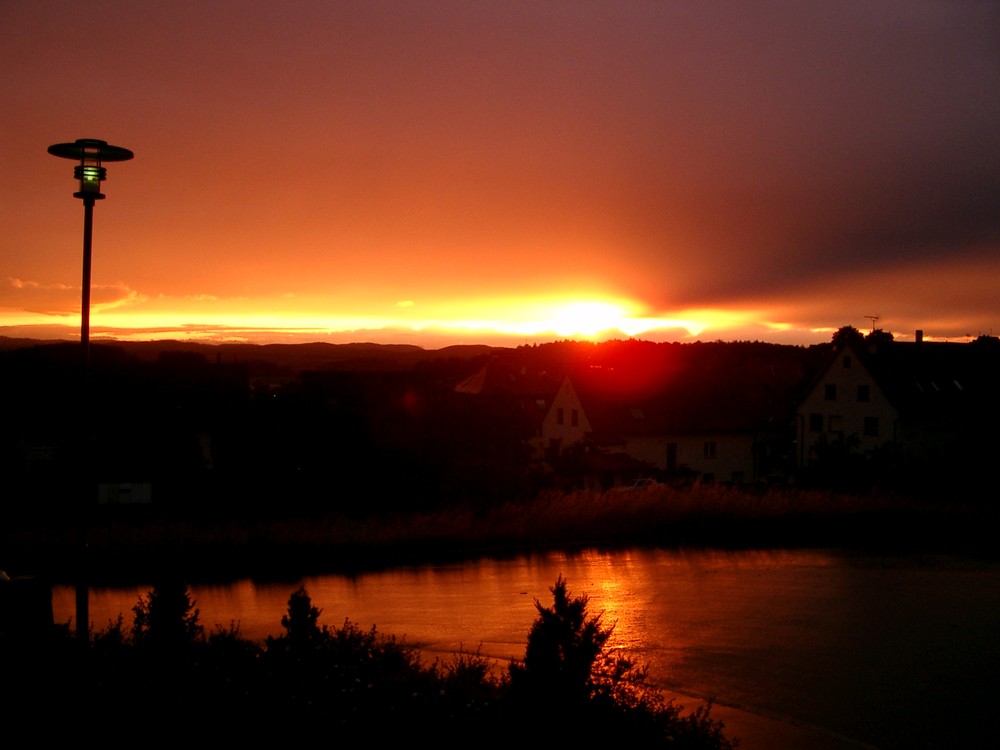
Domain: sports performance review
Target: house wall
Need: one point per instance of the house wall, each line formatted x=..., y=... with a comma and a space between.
x=721, y=457
x=565, y=423
x=845, y=402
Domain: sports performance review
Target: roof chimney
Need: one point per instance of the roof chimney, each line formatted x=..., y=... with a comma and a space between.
x=920, y=336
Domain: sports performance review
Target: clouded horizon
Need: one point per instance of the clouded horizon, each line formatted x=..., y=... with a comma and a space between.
x=435, y=172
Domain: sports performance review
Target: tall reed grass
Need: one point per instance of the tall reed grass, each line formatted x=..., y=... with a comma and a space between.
x=696, y=515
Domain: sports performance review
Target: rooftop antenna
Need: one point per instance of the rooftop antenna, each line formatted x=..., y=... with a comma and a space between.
x=874, y=320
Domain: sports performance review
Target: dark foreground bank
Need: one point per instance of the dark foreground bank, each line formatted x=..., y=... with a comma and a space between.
x=163, y=678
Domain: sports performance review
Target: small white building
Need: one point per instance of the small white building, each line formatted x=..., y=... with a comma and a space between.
x=713, y=429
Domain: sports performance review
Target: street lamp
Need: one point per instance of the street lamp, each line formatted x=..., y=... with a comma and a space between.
x=91, y=153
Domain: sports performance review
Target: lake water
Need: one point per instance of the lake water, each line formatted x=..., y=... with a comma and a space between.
x=802, y=649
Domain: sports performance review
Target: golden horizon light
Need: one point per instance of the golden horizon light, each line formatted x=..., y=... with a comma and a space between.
x=584, y=317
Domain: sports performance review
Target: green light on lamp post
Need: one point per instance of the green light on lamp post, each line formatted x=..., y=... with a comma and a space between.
x=91, y=153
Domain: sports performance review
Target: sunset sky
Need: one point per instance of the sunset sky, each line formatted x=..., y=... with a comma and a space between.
x=504, y=172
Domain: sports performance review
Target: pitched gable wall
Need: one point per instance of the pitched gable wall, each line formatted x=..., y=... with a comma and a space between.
x=565, y=423
x=845, y=403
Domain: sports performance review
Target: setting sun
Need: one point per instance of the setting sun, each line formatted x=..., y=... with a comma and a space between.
x=585, y=318
x=562, y=317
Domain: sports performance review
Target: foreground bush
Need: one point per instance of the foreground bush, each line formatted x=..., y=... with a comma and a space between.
x=574, y=689
x=166, y=678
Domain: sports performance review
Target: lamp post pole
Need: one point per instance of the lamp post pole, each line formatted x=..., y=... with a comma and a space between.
x=88, y=235
x=90, y=153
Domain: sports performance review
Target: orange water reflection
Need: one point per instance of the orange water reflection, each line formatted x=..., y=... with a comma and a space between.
x=661, y=603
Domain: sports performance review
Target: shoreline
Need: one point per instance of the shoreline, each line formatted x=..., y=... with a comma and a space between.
x=756, y=731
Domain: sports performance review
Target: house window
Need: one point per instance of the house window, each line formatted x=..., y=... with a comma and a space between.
x=836, y=423
x=574, y=418
x=710, y=449
x=560, y=416
x=847, y=363
x=815, y=423
x=871, y=426
x=864, y=394
x=830, y=391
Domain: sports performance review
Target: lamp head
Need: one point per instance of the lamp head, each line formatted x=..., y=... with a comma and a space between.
x=90, y=152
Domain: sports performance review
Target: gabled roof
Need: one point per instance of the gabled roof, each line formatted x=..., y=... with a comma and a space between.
x=498, y=377
x=517, y=386
x=928, y=378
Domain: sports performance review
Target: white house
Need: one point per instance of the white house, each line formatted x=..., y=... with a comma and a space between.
x=845, y=403
x=565, y=423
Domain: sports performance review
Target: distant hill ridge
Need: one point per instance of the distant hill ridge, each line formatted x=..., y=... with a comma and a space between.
x=290, y=358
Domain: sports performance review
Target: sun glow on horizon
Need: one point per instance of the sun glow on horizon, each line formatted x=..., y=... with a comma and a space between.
x=493, y=320
x=563, y=317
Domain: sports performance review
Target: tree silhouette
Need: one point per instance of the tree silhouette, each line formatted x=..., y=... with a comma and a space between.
x=878, y=338
x=563, y=647
x=848, y=336
x=166, y=617
x=574, y=690
x=301, y=624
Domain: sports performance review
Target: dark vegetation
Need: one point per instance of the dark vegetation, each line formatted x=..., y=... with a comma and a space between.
x=165, y=679
x=364, y=430
x=139, y=549
x=284, y=460
x=248, y=430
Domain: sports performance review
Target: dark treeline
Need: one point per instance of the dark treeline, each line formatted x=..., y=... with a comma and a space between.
x=218, y=435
